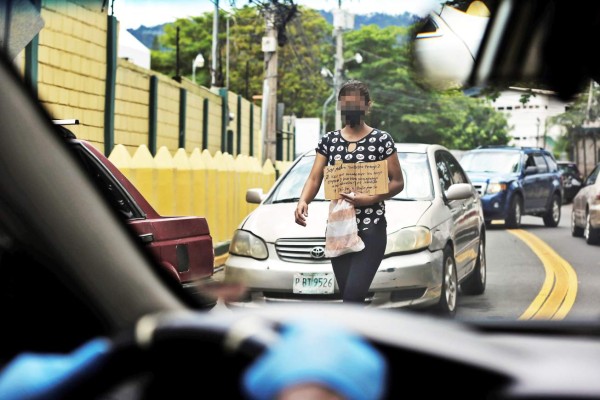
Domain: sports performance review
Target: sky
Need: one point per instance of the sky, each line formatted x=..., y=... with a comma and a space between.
x=133, y=13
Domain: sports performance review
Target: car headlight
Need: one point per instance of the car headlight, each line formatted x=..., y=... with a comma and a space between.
x=408, y=239
x=495, y=187
x=246, y=244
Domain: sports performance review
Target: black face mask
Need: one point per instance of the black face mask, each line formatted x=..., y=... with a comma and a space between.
x=353, y=117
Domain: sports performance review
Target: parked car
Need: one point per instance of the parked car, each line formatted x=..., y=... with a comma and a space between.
x=585, y=214
x=515, y=181
x=436, y=239
x=183, y=245
x=571, y=180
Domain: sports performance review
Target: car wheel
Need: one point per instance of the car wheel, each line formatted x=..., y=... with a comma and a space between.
x=513, y=219
x=475, y=283
x=552, y=216
x=592, y=236
x=576, y=231
x=447, y=305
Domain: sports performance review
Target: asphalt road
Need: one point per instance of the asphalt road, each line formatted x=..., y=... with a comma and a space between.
x=517, y=276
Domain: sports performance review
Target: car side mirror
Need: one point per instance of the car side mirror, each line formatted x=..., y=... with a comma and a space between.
x=255, y=196
x=459, y=191
x=531, y=170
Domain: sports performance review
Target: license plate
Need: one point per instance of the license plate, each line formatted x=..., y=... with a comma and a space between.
x=317, y=283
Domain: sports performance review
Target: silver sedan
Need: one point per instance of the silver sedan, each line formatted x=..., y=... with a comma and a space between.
x=435, y=243
x=585, y=215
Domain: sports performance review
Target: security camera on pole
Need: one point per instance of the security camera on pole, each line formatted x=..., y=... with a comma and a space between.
x=342, y=20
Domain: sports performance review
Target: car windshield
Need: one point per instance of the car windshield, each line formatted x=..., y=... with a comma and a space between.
x=415, y=171
x=198, y=114
x=568, y=168
x=489, y=161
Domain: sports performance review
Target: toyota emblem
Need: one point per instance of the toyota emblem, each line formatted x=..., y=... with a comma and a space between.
x=317, y=252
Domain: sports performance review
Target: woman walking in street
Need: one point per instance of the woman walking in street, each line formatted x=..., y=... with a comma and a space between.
x=356, y=142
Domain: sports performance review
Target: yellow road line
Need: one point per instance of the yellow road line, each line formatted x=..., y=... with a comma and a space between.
x=558, y=292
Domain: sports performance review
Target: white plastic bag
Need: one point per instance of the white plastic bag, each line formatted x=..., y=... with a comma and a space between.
x=341, y=234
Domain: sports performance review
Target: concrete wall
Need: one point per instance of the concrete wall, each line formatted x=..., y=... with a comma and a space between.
x=71, y=82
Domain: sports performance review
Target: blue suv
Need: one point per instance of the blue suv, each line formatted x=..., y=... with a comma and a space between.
x=515, y=181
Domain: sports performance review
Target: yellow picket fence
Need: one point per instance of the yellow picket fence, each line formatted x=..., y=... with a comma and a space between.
x=212, y=186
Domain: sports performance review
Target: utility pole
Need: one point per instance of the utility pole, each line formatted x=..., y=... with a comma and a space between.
x=215, y=45
x=227, y=61
x=588, y=114
x=587, y=123
x=269, y=98
x=342, y=21
x=177, y=69
x=339, y=63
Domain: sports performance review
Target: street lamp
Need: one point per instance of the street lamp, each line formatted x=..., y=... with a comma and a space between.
x=198, y=62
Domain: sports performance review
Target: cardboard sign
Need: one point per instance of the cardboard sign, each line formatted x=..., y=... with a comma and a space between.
x=369, y=178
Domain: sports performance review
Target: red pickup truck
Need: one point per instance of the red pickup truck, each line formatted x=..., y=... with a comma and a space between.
x=181, y=244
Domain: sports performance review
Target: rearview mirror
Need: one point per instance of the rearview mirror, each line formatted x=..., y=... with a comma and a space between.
x=254, y=196
x=543, y=44
x=446, y=45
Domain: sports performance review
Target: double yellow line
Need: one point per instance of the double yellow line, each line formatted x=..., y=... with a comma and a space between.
x=558, y=292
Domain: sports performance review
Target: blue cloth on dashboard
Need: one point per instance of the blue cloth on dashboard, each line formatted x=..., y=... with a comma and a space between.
x=311, y=352
x=32, y=376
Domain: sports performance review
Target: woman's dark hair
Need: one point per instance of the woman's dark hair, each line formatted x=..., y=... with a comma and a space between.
x=355, y=86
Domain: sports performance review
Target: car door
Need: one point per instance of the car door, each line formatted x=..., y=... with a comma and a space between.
x=531, y=183
x=469, y=219
x=545, y=181
x=587, y=191
x=457, y=210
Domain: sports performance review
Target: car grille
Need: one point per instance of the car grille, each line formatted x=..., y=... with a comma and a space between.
x=480, y=187
x=309, y=250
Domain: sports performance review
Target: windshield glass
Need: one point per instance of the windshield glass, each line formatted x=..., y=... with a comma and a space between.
x=291, y=186
x=192, y=111
x=415, y=171
x=418, y=184
x=500, y=162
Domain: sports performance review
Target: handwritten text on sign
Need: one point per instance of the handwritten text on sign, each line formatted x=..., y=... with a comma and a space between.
x=368, y=178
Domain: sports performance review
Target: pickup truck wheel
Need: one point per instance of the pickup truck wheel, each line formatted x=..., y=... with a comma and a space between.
x=552, y=216
x=513, y=220
x=592, y=236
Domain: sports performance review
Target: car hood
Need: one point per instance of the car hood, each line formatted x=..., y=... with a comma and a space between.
x=275, y=221
x=491, y=176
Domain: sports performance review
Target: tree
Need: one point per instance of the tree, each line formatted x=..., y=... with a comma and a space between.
x=406, y=108
x=300, y=86
x=195, y=36
x=575, y=117
x=401, y=105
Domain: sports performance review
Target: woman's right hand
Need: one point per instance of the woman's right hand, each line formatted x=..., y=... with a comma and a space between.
x=301, y=213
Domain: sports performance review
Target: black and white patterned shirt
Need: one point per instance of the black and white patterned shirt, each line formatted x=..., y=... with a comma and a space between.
x=376, y=146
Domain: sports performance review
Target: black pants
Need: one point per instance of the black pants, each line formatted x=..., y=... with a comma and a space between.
x=354, y=272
